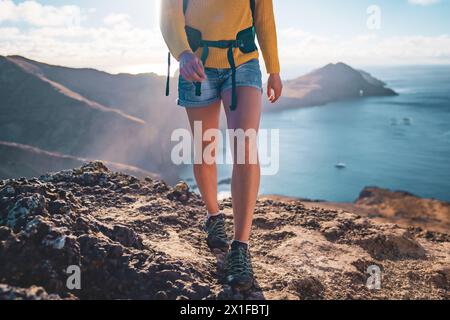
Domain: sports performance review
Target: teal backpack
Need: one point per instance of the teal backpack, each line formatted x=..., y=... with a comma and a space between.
x=245, y=41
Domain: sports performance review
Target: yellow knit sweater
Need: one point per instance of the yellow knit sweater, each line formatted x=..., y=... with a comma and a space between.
x=221, y=20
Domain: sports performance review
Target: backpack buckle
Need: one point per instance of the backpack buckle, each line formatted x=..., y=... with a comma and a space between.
x=239, y=43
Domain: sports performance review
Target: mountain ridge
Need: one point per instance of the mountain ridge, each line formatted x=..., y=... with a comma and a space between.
x=111, y=90
x=32, y=69
x=87, y=113
x=39, y=161
x=36, y=101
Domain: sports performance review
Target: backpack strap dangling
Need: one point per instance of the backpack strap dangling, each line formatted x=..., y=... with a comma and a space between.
x=168, y=76
x=185, y=6
x=232, y=63
x=253, y=8
x=198, y=85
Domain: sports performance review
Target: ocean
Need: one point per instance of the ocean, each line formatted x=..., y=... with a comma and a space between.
x=399, y=143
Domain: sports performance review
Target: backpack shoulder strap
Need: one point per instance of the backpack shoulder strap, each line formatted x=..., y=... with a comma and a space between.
x=185, y=5
x=253, y=8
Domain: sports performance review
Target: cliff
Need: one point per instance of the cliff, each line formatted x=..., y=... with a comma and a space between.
x=141, y=239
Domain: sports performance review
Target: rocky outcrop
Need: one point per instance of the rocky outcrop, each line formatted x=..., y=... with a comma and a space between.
x=405, y=208
x=141, y=239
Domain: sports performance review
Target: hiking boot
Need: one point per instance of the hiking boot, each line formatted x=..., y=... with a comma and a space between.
x=238, y=267
x=215, y=228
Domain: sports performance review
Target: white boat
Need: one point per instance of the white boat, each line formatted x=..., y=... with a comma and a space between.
x=340, y=165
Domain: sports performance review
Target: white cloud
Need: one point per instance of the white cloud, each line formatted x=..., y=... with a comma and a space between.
x=115, y=45
x=118, y=49
x=423, y=2
x=302, y=48
x=36, y=14
x=117, y=19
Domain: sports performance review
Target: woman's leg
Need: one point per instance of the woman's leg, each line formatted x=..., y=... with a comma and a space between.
x=246, y=176
x=206, y=174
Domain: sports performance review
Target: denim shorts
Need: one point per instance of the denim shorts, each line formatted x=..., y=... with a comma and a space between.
x=217, y=81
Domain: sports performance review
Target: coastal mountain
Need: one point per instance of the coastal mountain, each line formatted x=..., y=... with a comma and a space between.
x=141, y=239
x=334, y=82
x=140, y=95
x=88, y=114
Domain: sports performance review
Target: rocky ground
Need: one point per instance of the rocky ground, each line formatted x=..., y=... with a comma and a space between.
x=141, y=239
x=405, y=209
x=387, y=206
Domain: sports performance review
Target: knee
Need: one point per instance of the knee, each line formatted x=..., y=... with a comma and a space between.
x=246, y=153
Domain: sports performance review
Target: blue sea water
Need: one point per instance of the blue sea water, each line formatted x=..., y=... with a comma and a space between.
x=400, y=143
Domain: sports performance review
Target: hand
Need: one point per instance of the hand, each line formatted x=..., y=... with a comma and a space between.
x=191, y=68
x=274, y=87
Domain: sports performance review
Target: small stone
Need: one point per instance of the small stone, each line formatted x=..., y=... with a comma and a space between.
x=308, y=288
x=161, y=295
x=135, y=186
x=57, y=243
x=57, y=206
x=24, y=207
x=182, y=187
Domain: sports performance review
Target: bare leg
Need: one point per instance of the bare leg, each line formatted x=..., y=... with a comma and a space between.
x=206, y=174
x=246, y=177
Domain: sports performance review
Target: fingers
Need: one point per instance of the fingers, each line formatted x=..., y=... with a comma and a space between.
x=273, y=93
x=185, y=75
x=188, y=72
x=274, y=90
x=199, y=69
x=277, y=94
x=270, y=92
x=193, y=71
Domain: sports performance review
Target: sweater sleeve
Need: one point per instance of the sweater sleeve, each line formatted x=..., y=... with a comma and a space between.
x=267, y=34
x=172, y=24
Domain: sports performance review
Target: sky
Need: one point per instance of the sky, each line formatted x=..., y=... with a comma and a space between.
x=123, y=36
